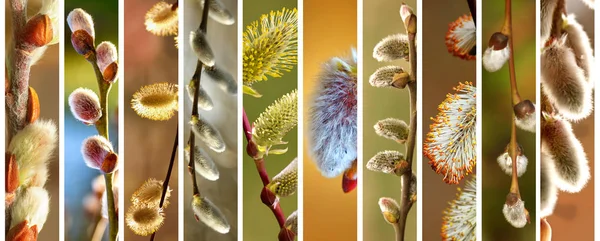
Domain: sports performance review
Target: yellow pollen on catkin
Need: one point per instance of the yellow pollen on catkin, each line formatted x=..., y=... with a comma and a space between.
x=162, y=19
x=156, y=101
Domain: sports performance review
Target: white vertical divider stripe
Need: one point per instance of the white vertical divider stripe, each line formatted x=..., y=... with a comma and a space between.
x=479, y=138
x=301, y=120
x=537, y=120
x=121, y=105
x=181, y=122
x=240, y=105
x=360, y=164
x=418, y=145
x=61, y=120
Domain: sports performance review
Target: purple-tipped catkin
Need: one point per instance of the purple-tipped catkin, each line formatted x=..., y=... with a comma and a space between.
x=333, y=117
x=106, y=55
x=564, y=82
x=78, y=19
x=548, y=189
x=562, y=147
x=98, y=154
x=85, y=106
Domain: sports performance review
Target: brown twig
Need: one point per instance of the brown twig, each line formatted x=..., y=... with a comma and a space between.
x=165, y=186
x=260, y=168
x=405, y=202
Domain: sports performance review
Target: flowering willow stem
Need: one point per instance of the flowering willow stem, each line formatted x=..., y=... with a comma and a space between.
x=196, y=79
x=515, y=98
x=405, y=202
x=102, y=127
x=165, y=186
x=262, y=171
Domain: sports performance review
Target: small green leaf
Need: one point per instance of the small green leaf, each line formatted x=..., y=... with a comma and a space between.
x=250, y=91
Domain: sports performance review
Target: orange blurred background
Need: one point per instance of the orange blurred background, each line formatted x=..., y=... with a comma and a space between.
x=329, y=31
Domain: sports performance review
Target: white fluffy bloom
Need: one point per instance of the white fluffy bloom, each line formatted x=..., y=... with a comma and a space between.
x=460, y=219
x=493, y=60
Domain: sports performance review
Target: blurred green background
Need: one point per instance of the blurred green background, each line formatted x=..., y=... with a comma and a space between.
x=496, y=125
x=259, y=222
x=149, y=59
x=573, y=216
x=329, y=213
x=44, y=78
x=381, y=19
x=442, y=72
x=82, y=209
x=223, y=116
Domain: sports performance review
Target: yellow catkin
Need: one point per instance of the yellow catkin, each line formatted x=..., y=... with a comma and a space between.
x=270, y=45
x=144, y=220
x=150, y=193
x=156, y=101
x=276, y=121
x=162, y=19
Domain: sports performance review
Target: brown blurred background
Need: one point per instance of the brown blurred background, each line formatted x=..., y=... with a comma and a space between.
x=222, y=192
x=497, y=114
x=573, y=216
x=442, y=72
x=381, y=18
x=149, y=59
x=44, y=79
x=329, y=31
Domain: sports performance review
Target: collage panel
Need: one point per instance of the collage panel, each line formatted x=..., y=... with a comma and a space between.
x=31, y=173
x=449, y=120
x=91, y=66
x=150, y=120
x=508, y=120
x=210, y=122
x=567, y=120
x=390, y=120
x=330, y=98
x=270, y=120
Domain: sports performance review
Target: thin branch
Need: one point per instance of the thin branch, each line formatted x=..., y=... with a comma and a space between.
x=405, y=202
x=165, y=185
x=260, y=168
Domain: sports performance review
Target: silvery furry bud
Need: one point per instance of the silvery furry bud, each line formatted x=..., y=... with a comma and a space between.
x=204, y=165
x=208, y=213
x=98, y=154
x=85, y=105
x=218, y=12
x=566, y=152
x=78, y=19
x=208, y=134
x=222, y=78
x=106, y=55
x=579, y=42
x=393, y=129
x=391, y=162
x=204, y=100
x=333, y=112
x=392, y=47
x=285, y=183
x=33, y=147
x=390, y=76
x=390, y=209
x=497, y=52
x=548, y=189
x=514, y=211
x=564, y=82
x=525, y=115
x=32, y=204
x=506, y=164
x=200, y=45
x=546, y=14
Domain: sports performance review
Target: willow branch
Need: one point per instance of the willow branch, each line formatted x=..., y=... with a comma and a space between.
x=165, y=186
x=405, y=202
x=260, y=168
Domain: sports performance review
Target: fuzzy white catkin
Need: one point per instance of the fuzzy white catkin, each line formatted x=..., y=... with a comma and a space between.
x=515, y=214
x=526, y=123
x=106, y=54
x=208, y=213
x=33, y=147
x=546, y=12
x=564, y=82
x=204, y=100
x=571, y=165
x=85, y=105
x=505, y=163
x=208, y=134
x=218, y=12
x=579, y=42
x=548, y=190
x=200, y=45
x=222, y=78
x=392, y=47
x=493, y=60
x=204, y=165
x=333, y=111
x=31, y=204
x=80, y=19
